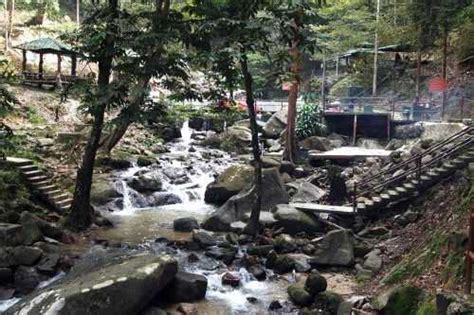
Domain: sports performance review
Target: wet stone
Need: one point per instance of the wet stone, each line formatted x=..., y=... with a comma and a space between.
x=232, y=279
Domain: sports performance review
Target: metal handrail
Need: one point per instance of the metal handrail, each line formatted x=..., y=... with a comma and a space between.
x=419, y=167
x=448, y=140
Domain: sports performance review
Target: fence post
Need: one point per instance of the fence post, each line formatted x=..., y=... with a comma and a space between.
x=354, y=198
x=418, y=167
x=469, y=254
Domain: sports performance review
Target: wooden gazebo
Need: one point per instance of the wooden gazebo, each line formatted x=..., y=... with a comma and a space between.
x=43, y=46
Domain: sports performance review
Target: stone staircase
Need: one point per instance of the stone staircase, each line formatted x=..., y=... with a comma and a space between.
x=42, y=183
x=414, y=176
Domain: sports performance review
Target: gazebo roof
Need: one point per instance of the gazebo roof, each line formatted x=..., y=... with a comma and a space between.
x=47, y=45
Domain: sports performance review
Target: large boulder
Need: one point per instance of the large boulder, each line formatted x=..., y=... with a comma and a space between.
x=241, y=133
x=294, y=221
x=229, y=183
x=316, y=143
x=187, y=224
x=305, y=191
x=147, y=182
x=185, y=287
x=103, y=191
x=235, y=208
x=124, y=287
x=10, y=234
x=276, y=124
x=315, y=283
x=299, y=295
x=336, y=248
x=161, y=198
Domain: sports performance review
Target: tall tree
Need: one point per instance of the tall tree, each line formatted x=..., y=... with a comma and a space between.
x=236, y=29
x=158, y=46
x=101, y=46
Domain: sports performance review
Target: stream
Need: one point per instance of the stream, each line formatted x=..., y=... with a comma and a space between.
x=142, y=226
x=185, y=171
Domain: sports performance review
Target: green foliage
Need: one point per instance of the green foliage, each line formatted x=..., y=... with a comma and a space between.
x=309, y=121
x=404, y=301
x=11, y=188
x=418, y=263
x=427, y=308
x=33, y=116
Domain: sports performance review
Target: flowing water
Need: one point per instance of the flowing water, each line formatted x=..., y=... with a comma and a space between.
x=140, y=226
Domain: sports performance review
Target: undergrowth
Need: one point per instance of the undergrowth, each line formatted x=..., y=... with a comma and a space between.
x=444, y=244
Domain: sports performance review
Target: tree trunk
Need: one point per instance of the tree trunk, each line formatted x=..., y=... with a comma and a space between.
x=290, y=147
x=445, y=66
x=253, y=226
x=81, y=213
x=5, y=18
x=78, y=13
x=418, y=76
x=376, y=51
x=127, y=116
x=11, y=11
x=323, y=85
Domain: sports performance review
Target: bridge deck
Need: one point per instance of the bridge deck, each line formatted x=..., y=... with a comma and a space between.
x=312, y=207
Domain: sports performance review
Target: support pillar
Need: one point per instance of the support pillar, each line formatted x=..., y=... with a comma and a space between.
x=354, y=130
x=23, y=64
x=73, y=65
x=59, y=64
x=40, y=68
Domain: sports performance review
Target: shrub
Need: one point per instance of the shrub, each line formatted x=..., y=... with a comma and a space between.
x=310, y=121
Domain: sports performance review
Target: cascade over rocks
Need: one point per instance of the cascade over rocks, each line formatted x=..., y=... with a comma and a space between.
x=103, y=191
x=229, y=183
x=147, y=182
x=235, y=208
x=124, y=287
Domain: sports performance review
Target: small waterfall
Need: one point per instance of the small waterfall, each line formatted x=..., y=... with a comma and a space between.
x=186, y=134
x=127, y=200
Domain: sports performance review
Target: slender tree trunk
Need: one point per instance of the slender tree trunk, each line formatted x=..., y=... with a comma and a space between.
x=418, y=76
x=78, y=12
x=127, y=116
x=290, y=147
x=445, y=66
x=376, y=51
x=323, y=85
x=253, y=226
x=5, y=18
x=81, y=213
x=11, y=11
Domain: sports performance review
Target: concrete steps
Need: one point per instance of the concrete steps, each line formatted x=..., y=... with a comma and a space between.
x=428, y=178
x=43, y=184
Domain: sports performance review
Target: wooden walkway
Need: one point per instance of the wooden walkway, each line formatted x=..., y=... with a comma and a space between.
x=313, y=207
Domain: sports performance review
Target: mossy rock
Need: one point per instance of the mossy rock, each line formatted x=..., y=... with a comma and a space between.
x=299, y=295
x=328, y=301
x=404, y=300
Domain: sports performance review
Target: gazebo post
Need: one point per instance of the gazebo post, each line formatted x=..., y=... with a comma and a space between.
x=59, y=64
x=23, y=65
x=73, y=65
x=40, y=68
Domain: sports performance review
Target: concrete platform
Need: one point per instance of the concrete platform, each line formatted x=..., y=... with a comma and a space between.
x=312, y=207
x=349, y=153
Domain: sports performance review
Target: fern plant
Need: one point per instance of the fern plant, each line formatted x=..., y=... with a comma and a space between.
x=310, y=121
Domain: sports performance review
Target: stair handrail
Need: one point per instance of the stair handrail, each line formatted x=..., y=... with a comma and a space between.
x=396, y=167
x=450, y=152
